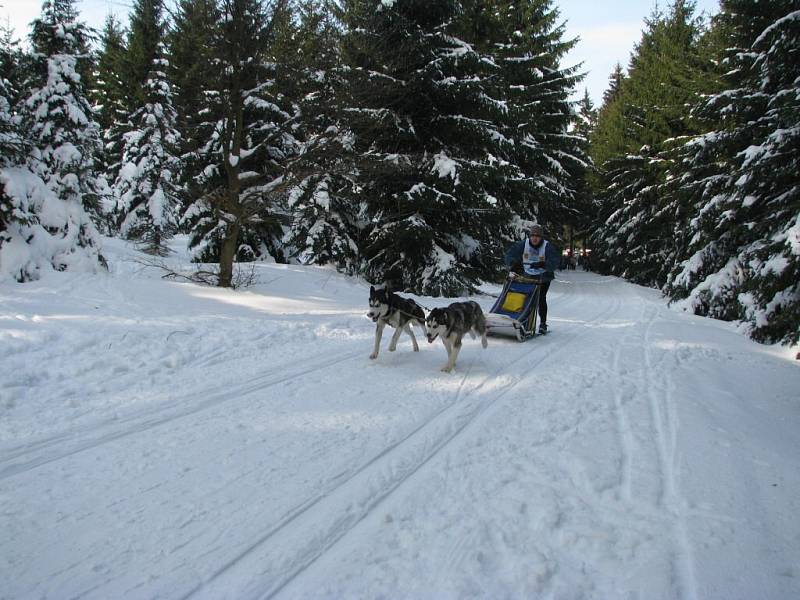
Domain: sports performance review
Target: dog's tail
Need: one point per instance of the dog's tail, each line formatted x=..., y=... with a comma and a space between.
x=480, y=324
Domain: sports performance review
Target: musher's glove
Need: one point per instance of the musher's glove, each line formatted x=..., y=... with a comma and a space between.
x=512, y=275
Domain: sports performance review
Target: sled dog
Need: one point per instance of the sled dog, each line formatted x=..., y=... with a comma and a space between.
x=451, y=323
x=387, y=308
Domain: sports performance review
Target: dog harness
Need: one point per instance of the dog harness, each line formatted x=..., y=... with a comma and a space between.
x=531, y=256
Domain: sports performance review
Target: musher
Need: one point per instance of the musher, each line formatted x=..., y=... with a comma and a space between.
x=535, y=257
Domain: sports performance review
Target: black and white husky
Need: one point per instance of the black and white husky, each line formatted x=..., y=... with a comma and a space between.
x=387, y=308
x=451, y=323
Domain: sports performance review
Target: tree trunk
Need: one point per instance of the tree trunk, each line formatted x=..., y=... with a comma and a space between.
x=227, y=254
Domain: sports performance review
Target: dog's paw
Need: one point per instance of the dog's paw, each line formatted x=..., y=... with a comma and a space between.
x=392, y=348
x=373, y=356
x=446, y=369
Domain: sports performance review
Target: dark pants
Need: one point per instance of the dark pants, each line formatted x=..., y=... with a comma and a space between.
x=543, y=302
x=543, y=287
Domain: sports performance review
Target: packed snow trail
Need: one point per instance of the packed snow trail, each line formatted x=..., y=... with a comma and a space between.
x=169, y=440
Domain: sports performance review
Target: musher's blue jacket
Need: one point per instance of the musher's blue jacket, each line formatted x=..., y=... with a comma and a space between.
x=552, y=258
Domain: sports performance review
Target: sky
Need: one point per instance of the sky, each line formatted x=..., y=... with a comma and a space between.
x=607, y=29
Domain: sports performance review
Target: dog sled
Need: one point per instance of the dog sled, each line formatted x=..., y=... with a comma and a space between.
x=516, y=310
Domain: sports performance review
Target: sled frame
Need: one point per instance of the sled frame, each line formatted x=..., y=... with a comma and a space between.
x=523, y=322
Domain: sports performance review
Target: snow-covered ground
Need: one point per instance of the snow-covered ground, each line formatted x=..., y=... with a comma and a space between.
x=167, y=440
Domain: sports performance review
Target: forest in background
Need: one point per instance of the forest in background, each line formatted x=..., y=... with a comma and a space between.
x=411, y=141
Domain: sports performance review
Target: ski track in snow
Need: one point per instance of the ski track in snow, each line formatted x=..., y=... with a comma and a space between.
x=654, y=384
x=623, y=428
x=31, y=456
x=575, y=465
x=665, y=427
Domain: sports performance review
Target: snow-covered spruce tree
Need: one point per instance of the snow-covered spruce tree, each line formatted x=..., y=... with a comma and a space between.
x=109, y=98
x=10, y=138
x=586, y=118
x=663, y=80
x=12, y=143
x=742, y=262
x=428, y=167
x=610, y=144
x=586, y=205
x=123, y=84
x=630, y=243
x=20, y=234
x=58, y=122
x=708, y=268
x=191, y=69
x=17, y=216
x=109, y=95
x=248, y=140
x=611, y=136
x=146, y=187
x=145, y=35
x=11, y=68
x=324, y=228
x=552, y=158
x=770, y=188
x=472, y=126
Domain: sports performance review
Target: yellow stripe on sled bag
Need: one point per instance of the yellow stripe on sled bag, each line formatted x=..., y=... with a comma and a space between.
x=514, y=302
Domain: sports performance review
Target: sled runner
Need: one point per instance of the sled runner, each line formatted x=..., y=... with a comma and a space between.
x=515, y=311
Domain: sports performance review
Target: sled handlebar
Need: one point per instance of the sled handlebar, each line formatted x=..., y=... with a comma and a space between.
x=525, y=279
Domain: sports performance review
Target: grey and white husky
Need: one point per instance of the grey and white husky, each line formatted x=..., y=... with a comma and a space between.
x=451, y=323
x=387, y=308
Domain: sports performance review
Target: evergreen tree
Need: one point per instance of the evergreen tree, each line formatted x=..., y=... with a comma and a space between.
x=192, y=72
x=666, y=74
x=43, y=222
x=248, y=141
x=144, y=37
x=429, y=159
x=110, y=98
x=631, y=241
x=586, y=119
x=650, y=109
x=146, y=186
x=13, y=214
x=11, y=58
x=473, y=155
x=742, y=258
x=60, y=123
x=770, y=187
x=612, y=135
x=18, y=221
x=12, y=145
x=550, y=157
x=324, y=227
x=615, y=81
x=110, y=95
x=190, y=46
x=45, y=42
x=583, y=183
